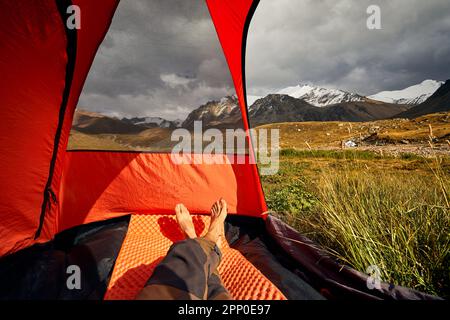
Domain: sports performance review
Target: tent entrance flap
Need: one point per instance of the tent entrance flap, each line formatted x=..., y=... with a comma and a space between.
x=102, y=185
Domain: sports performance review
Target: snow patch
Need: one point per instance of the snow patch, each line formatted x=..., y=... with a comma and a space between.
x=416, y=94
x=320, y=97
x=252, y=99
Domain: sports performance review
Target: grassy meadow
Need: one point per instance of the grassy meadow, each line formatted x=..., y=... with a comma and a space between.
x=369, y=209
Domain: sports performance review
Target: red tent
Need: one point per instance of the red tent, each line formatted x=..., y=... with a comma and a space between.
x=49, y=195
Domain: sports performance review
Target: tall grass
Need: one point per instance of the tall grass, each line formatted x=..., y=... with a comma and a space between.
x=396, y=221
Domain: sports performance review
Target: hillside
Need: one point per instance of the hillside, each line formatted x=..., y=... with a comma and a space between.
x=392, y=136
x=283, y=108
x=82, y=141
x=361, y=111
x=153, y=139
x=95, y=123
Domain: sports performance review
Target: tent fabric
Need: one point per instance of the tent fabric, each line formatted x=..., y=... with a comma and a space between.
x=148, y=239
x=232, y=20
x=96, y=17
x=102, y=185
x=32, y=65
x=43, y=66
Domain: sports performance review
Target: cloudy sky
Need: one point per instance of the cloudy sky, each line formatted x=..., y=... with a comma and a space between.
x=162, y=58
x=159, y=58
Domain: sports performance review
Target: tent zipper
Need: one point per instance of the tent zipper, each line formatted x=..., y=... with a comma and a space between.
x=49, y=199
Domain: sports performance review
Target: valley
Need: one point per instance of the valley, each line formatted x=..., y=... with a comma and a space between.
x=308, y=117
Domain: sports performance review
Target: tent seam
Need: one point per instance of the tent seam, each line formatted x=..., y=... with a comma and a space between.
x=71, y=50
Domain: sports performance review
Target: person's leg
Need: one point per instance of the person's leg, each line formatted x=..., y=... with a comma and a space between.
x=186, y=270
x=216, y=290
x=184, y=220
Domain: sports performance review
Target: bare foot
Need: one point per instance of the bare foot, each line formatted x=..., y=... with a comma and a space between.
x=218, y=215
x=185, y=221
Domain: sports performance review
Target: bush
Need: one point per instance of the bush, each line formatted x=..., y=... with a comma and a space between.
x=291, y=198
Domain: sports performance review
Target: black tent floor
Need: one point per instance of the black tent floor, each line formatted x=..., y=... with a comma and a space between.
x=40, y=272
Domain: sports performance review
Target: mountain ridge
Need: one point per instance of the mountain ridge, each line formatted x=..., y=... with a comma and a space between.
x=96, y=123
x=284, y=108
x=222, y=113
x=413, y=95
x=152, y=122
x=319, y=96
x=438, y=102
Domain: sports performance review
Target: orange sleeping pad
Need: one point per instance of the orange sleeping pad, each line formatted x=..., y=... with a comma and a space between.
x=149, y=238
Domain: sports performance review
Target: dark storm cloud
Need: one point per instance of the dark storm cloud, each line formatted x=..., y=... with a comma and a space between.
x=162, y=58
x=326, y=42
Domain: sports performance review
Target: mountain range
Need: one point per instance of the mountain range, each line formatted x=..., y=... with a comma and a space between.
x=292, y=104
x=316, y=96
x=321, y=97
x=284, y=108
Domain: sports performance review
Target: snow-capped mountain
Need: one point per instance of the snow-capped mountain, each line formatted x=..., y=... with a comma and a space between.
x=320, y=97
x=438, y=102
x=283, y=108
x=413, y=95
x=252, y=99
x=215, y=113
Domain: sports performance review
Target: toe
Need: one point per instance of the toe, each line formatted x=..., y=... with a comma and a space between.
x=215, y=208
x=184, y=209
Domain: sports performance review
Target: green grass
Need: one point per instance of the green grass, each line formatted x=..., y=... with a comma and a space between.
x=344, y=154
x=369, y=212
x=409, y=156
x=332, y=154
